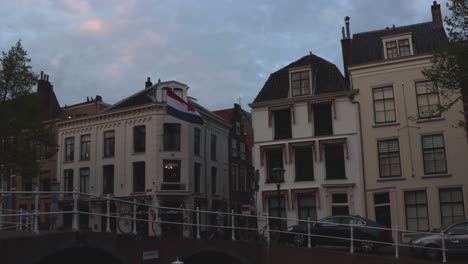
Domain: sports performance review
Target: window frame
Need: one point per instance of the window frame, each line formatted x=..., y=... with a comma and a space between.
x=327, y=177
x=134, y=178
x=136, y=143
x=84, y=179
x=107, y=181
x=69, y=153
x=269, y=166
x=397, y=39
x=214, y=180
x=433, y=153
x=85, y=147
x=338, y=204
x=196, y=141
x=451, y=203
x=311, y=162
x=427, y=94
x=301, y=88
x=383, y=100
x=213, y=147
x=197, y=177
x=317, y=110
x=389, y=153
x=109, y=144
x=172, y=136
x=308, y=208
x=68, y=178
x=416, y=209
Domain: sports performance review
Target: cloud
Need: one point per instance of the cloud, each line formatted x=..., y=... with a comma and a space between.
x=92, y=25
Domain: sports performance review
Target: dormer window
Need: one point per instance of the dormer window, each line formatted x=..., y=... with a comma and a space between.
x=397, y=46
x=179, y=92
x=300, y=83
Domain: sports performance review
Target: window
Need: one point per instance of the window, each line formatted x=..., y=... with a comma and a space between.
x=434, y=154
x=214, y=171
x=234, y=177
x=196, y=177
x=274, y=159
x=196, y=141
x=300, y=83
x=213, y=147
x=340, y=204
x=459, y=229
x=108, y=179
x=277, y=208
x=307, y=207
x=139, y=139
x=139, y=176
x=234, y=147
x=109, y=143
x=84, y=180
x=164, y=94
x=238, y=128
x=171, y=171
x=171, y=137
x=304, y=163
x=85, y=147
x=242, y=179
x=451, y=205
x=282, y=123
x=179, y=92
x=45, y=185
x=323, y=124
x=389, y=158
x=383, y=214
x=69, y=149
x=68, y=181
x=428, y=100
x=242, y=151
x=334, y=162
x=417, y=218
x=384, y=105
x=398, y=48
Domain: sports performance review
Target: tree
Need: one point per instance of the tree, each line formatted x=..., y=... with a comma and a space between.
x=449, y=71
x=24, y=140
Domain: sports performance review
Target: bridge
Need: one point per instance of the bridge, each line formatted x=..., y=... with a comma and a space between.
x=142, y=238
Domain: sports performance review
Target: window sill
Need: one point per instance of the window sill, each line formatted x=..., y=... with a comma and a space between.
x=68, y=161
x=269, y=181
x=171, y=150
x=336, y=179
x=440, y=175
x=391, y=179
x=433, y=119
x=303, y=180
x=81, y=160
x=108, y=157
x=139, y=153
x=386, y=124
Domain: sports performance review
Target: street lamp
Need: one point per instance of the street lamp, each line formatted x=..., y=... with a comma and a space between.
x=277, y=175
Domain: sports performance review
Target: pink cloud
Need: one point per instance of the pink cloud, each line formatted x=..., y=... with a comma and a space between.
x=112, y=69
x=92, y=25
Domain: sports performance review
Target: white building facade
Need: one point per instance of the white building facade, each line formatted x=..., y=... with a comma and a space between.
x=304, y=122
x=134, y=150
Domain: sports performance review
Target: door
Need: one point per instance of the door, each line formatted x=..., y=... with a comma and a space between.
x=383, y=214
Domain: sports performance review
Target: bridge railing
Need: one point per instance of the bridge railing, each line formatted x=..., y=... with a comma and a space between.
x=138, y=217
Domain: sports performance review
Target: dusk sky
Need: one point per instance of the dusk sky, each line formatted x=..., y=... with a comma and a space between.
x=222, y=49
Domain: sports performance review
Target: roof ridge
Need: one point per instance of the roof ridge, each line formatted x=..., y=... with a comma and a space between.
x=377, y=30
x=128, y=97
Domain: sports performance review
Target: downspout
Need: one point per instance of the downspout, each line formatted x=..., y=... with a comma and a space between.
x=351, y=97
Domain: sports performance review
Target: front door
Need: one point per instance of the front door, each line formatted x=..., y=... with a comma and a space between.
x=383, y=214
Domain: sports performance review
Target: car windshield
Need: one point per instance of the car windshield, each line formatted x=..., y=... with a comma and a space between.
x=442, y=228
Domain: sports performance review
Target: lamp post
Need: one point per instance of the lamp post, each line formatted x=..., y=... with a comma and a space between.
x=278, y=177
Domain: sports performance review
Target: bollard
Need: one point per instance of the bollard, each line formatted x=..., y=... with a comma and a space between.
x=21, y=220
x=198, y=222
x=351, y=249
x=75, y=210
x=134, y=216
x=36, y=211
x=108, y=228
x=267, y=229
x=233, y=235
x=444, y=258
x=308, y=233
x=397, y=250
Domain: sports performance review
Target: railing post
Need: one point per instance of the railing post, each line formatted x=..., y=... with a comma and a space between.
x=308, y=233
x=21, y=220
x=267, y=229
x=108, y=229
x=156, y=218
x=397, y=241
x=75, y=226
x=36, y=211
x=134, y=216
x=198, y=222
x=444, y=258
x=351, y=249
x=233, y=233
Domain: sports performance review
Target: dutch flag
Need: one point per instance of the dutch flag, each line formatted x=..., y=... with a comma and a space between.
x=176, y=106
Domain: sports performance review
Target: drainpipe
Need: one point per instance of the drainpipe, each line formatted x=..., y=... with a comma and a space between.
x=351, y=97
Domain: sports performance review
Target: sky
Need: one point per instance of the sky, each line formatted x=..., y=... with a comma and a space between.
x=224, y=50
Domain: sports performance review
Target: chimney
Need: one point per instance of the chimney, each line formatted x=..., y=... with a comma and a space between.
x=436, y=14
x=346, y=47
x=148, y=83
x=98, y=98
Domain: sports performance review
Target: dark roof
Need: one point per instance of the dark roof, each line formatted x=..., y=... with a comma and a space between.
x=142, y=97
x=326, y=78
x=367, y=46
x=226, y=114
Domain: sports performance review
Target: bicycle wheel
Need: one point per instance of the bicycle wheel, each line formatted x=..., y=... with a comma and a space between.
x=125, y=223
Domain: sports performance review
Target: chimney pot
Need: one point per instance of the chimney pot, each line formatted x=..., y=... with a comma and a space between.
x=148, y=83
x=348, y=35
x=42, y=74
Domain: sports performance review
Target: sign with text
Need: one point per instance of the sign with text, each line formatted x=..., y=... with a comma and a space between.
x=150, y=257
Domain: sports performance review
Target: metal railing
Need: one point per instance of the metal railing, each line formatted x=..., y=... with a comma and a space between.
x=224, y=223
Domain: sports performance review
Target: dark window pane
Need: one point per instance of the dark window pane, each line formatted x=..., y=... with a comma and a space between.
x=171, y=137
x=274, y=159
x=335, y=162
x=109, y=143
x=108, y=179
x=85, y=145
x=139, y=176
x=214, y=172
x=139, y=139
x=84, y=180
x=417, y=217
x=340, y=198
x=304, y=163
x=213, y=147
x=381, y=198
x=69, y=148
x=282, y=122
x=196, y=141
x=306, y=205
x=171, y=171
x=340, y=210
x=196, y=176
x=323, y=120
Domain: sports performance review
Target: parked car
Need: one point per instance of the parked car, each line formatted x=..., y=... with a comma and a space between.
x=335, y=230
x=455, y=239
